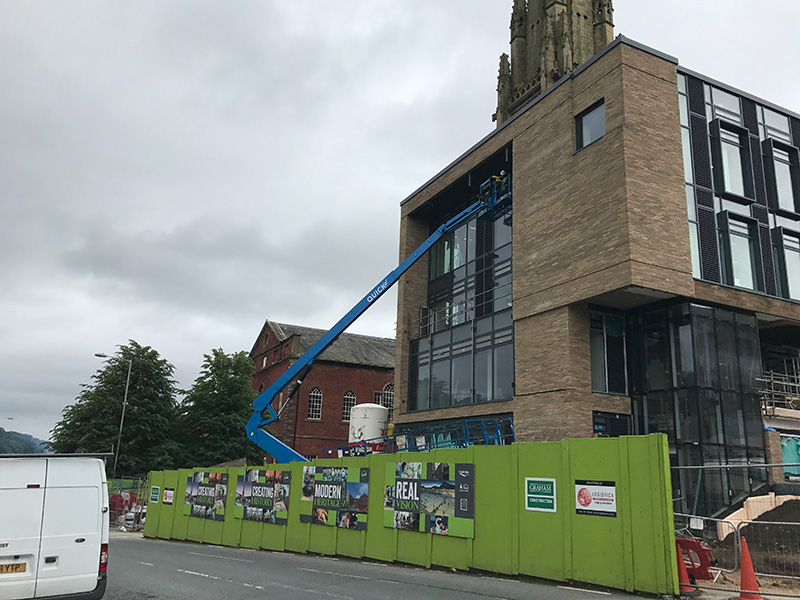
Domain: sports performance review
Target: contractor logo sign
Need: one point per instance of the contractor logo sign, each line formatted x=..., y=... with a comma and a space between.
x=597, y=498
x=540, y=494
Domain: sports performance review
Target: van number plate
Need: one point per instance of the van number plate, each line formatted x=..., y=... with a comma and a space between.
x=13, y=568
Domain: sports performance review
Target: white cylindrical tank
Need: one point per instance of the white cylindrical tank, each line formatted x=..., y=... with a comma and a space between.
x=367, y=422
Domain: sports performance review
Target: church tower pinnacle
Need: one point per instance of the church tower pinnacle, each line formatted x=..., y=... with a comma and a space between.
x=549, y=38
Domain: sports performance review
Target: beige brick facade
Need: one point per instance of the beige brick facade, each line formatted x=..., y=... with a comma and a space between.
x=603, y=225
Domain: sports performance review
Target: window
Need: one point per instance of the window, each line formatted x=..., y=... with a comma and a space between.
x=773, y=125
x=468, y=364
x=590, y=125
x=787, y=252
x=740, y=252
x=388, y=399
x=733, y=173
x=310, y=456
x=607, y=348
x=348, y=402
x=694, y=232
x=315, y=404
x=782, y=164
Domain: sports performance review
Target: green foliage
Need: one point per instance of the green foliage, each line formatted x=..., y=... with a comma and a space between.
x=148, y=433
x=215, y=412
x=12, y=442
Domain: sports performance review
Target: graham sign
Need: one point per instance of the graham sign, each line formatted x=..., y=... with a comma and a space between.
x=540, y=494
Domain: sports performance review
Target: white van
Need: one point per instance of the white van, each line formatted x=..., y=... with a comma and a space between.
x=53, y=526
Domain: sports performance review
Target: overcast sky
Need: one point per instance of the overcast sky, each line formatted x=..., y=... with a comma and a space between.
x=176, y=172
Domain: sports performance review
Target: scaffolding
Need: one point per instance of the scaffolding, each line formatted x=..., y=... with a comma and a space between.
x=780, y=386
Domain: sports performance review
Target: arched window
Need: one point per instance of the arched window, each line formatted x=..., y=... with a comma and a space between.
x=388, y=399
x=348, y=402
x=315, y=404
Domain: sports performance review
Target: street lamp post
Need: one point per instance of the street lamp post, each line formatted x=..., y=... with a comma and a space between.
x=122, y=418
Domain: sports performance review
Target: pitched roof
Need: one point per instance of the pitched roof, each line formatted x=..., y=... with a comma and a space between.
x=349, y=348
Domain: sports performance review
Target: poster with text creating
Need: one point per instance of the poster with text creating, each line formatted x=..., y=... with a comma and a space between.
x=598, y=498
x=263, y=496
x=435, y=498
x=337, y=496
x=206, y=494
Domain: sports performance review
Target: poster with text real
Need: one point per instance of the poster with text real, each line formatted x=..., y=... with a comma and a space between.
x=433, y=498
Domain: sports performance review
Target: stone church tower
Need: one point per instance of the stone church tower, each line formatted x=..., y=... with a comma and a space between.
x=549, y=38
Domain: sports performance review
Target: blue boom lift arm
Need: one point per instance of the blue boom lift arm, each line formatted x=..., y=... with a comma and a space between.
x=494, y=195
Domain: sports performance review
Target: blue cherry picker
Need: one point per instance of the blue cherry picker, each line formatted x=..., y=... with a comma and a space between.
x=493, y=197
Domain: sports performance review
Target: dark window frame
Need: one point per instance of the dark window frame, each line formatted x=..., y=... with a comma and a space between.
x=724, y=219
x=716, y=127
x=768, y=147
x=782, y=272
x=580, y=144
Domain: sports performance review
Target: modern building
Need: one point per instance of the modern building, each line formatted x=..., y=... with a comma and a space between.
x=355, y=369
x=647, y=275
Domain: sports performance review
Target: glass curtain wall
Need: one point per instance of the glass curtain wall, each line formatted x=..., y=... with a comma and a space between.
x=465, y=351
x=693, y=377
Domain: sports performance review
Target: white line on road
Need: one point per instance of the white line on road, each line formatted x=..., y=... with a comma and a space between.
x=206, y=575
x=333, y=573
x=222, y=557
x=148, y=564
x=566, y=587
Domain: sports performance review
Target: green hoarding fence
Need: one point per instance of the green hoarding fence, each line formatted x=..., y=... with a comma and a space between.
x=597, y=511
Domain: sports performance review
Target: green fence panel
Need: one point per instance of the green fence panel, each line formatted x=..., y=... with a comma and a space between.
x=598, y=551
x=350, y=542
x=180, y=520
x=412, y=547
x=156, y=485
x=297, y=533
x=541, y=534
x=322, y=538
x=170, y=481
x=251, y=535
x=451, y=551
x=232, y=526
x=652, y=529
x=380, y=542
x=497, y=504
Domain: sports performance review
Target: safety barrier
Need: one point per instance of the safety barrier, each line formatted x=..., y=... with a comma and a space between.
x=586, y=510
x=773, y=554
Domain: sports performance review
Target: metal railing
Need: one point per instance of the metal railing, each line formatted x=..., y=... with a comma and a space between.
x=774, y=546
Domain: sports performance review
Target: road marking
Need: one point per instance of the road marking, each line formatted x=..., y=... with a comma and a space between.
x=566, y=587
x=333, y=573
x=222, y=557
x=148, y=564
x=206, y=575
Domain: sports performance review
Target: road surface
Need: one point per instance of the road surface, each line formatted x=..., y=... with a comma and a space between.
x=141, y=568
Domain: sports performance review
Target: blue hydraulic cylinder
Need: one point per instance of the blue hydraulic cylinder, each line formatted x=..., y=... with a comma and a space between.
x=493, y=196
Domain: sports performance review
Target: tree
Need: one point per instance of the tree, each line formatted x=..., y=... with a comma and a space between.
x=216, y=409
x=148, y=439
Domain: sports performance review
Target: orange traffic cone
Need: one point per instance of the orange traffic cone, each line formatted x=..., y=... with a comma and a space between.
x=748, y=586
x=685, y=587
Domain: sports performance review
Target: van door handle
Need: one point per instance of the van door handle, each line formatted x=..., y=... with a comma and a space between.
x=80, y=540
x=50, y=559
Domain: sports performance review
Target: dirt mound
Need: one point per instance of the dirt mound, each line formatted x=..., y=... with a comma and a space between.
x=788, y=512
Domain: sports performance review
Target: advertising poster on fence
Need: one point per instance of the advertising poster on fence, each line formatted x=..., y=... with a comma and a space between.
x=169, y=494
x=337, y=496
x=436, y=498
x=206, y=493
x=597, y=498
x=263, y=496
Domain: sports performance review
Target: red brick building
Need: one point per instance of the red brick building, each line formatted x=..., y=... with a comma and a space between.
x=356, y=369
